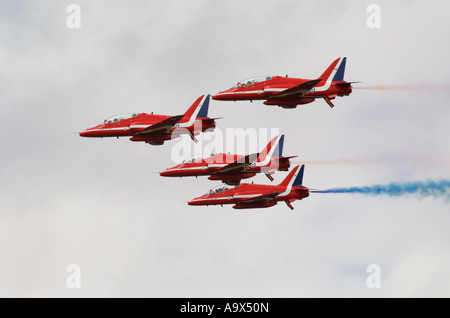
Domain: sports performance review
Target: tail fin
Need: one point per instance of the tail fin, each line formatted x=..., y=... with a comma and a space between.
x=199, y=107
x=294, y=178
x=339, y=76
x=279, y=149
x=269, y=151
x=203, y=113
x=335, y=72
x=298, y=182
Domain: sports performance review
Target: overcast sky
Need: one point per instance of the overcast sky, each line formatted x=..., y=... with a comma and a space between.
x=100, y=203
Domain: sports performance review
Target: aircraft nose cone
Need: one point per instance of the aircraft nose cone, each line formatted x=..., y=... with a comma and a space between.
x=165, y=173
x=194, y=202
x=87, y=133
x=218, y=96
x=90, y=132
x=168, y=173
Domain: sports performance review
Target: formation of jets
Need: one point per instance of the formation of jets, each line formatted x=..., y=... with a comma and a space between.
x=229, y=168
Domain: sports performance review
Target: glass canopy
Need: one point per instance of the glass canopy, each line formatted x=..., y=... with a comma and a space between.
x=195, y=159
x=252, y=80
x=218, y=189
x=118, y=118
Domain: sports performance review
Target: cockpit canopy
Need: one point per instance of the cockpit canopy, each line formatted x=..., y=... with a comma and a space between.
x=195, y=159
x=252, y=80
x=218, y=189
x=118, y=118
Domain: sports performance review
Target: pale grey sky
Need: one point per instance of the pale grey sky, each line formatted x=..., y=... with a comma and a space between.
x=100, y=204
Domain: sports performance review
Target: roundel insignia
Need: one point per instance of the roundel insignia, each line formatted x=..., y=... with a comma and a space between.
x=253, y=164
x=177, y=125
x=312, y=90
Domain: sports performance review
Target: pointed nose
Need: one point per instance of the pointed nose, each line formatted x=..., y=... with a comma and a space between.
x=218, y=96
x=195, y=201
x=170, y=172
x=165, y=173
x=92, y=132
x=88, y=133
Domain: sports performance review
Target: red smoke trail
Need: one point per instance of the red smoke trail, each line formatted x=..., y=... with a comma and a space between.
x=418, y=86
x=341, y=161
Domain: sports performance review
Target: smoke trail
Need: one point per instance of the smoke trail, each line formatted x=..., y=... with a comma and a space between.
x=388, y=87
x=418, y=86
x=421, y=189
x=341, y=161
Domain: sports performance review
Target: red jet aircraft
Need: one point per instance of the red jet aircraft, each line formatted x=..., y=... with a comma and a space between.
x=231, y=168
x=289, y=92
x=250, y=196
x=155, y=129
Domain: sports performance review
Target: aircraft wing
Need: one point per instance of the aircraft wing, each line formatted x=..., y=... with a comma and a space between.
x=164, y=126
x=299, y=89
x=262, y=198
x=238, y=166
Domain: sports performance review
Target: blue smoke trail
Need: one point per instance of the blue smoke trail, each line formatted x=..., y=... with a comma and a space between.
x=422, y=189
